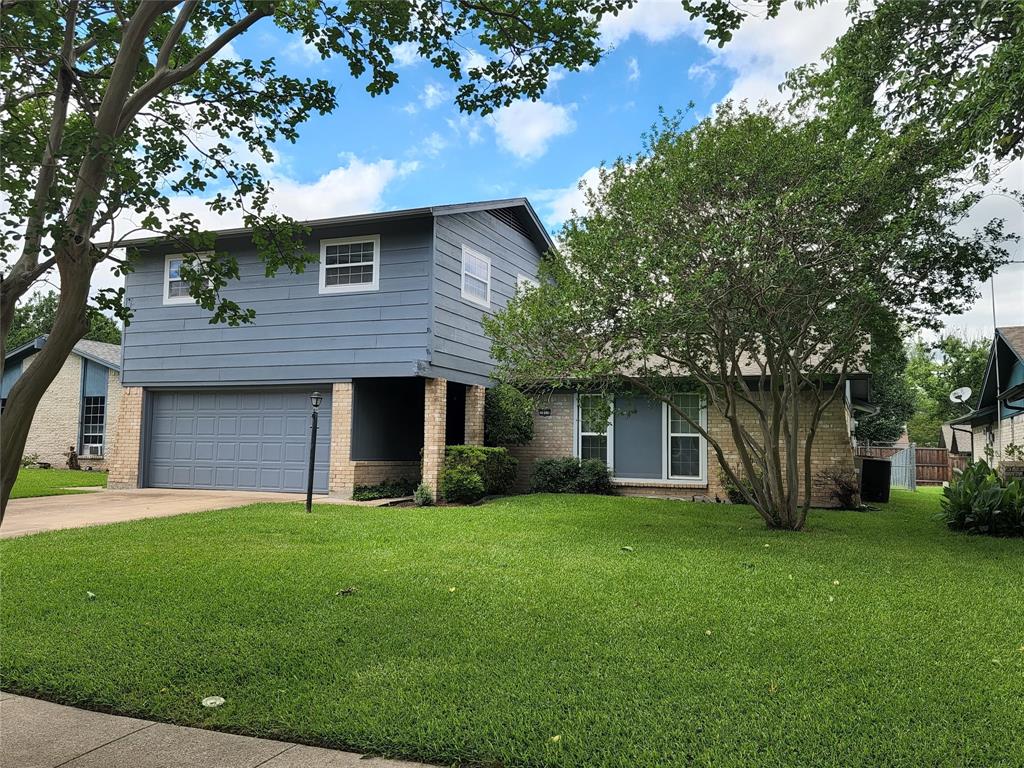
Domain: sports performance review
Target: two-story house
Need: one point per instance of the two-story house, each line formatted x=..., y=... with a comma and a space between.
x=388, y=328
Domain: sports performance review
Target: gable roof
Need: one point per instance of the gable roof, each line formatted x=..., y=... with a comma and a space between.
x=97, y=351
x=1008, y=340
x=517, y=206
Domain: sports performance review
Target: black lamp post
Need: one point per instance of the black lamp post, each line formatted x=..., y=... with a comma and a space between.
x=316, y=398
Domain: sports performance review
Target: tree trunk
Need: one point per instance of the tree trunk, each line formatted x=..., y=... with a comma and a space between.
x=70, y=324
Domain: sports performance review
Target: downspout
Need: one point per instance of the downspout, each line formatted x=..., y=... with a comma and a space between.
x=998, y=454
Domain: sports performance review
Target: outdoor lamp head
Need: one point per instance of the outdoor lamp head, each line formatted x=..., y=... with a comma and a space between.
x=316, y=398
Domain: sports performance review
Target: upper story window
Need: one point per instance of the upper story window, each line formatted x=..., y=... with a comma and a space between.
x=350, y=264
x=176, y=289
x=476, y=277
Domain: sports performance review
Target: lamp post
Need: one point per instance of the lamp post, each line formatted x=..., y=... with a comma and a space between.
x=315, y=399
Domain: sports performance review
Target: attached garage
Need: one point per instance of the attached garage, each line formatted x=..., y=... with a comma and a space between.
x=238, y=439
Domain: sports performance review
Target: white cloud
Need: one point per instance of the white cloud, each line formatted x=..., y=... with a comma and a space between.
x=466, y=127
x=406, y=54
x=559, y=204
x=473, y=59
x=433, y=145
x=410, y=108
x=654, y=20
x=300, y=51
x=634, y=69
x=525, y=128
x=433, y=95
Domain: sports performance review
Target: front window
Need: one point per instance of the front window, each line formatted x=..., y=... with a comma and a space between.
x=176, y=289
x=476, y=277
x=349, y=264
x=93, y=422
x=684, y=441
x=594, y=420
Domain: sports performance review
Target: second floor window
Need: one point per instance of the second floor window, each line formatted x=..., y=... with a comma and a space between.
x=476, y=277
x=349, y=264
x=176, y=289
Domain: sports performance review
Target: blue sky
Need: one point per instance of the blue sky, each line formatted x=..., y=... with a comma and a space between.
x=413, y=147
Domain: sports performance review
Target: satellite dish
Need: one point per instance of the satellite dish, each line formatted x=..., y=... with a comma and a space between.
x=960, y=395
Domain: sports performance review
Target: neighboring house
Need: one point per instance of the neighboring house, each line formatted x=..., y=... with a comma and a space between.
x=997, y=421
x=79, y=408
x=388, y=328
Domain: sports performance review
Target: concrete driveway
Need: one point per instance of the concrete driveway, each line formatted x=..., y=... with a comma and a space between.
x=50, y=513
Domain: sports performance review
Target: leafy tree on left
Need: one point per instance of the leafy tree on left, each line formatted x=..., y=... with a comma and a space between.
x=103, y=101
x=34, y=317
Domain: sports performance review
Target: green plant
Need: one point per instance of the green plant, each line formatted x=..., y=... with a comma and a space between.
x=387, y=489
x=732, y=491
x=1014, y=452
x=843, y=486
x=978, y=501
x=570, y=475
x=422, y=497
x=29, y=459
x=462, y=484
x=508, y=416
x=496, y=467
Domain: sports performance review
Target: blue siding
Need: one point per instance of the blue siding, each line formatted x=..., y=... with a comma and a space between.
x=299, y=335
x=12, y=370
x=461, y=351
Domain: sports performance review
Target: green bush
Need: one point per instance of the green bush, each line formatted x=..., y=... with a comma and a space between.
x=978, y=501
x=389, y=489
x=570, y=475
x=462, y=484
x=508, y=416
x=422, y=497
x=497, y=469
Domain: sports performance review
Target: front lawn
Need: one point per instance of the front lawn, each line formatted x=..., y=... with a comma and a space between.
x=54, y=482
x=539, y=631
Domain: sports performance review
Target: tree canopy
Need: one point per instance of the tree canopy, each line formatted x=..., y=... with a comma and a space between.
x=34, y=317
x=751, y=255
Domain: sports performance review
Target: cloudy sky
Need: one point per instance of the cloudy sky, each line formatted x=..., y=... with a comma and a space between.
x=412, y=147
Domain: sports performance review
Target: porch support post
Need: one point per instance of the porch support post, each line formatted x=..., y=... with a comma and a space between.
x=475, y=414
x=341, y=475
x=434, y=418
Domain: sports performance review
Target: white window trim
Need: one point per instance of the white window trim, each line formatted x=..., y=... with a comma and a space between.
x=467, y=296
x=171, y=300
x=666, y=442
x=577, y=444
x=374, y=285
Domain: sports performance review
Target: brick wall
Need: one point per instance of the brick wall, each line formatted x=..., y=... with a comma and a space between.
x=374, y=472
x=434, y=413
x=124, y=442
x=1011, y=432
x=554, y=437
x=475, y=399
x=55, y=424
x=341, y=474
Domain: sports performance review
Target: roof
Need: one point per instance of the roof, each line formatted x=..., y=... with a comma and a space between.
x=529, y=218
x=97, y=351
x=1012, y=340
x=1013, y=335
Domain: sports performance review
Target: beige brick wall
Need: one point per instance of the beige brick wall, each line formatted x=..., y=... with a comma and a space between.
x=434, y=413
x=374, y=472
x=341, y=475
x=475, y=399
x=1011, y=432
x=554, y=437
x=124, y=443
x=55, y=424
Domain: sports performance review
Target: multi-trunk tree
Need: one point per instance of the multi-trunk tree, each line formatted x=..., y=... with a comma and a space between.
x=113, y=106
x=749, y=258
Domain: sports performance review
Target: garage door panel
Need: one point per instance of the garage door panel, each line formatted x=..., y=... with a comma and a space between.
x=249, y=440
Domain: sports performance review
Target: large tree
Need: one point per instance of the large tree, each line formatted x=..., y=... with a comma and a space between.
x=748, y=258
x=35, y=315
x=890, y=390
x=112, y=106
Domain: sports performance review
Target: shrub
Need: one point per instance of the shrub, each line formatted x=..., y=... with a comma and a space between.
x=570, y=475
x=462, y=484
x=29, y=459
x=843, y=485
x=388, y=489
x=508, y=416
x=978, y=501
x=497, y=469
x=422, y=497
x=732, y=491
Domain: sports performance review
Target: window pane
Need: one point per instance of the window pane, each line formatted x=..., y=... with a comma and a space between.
x=594, y=447
x=361, y=274
x=476, y=288
x=593, y=414
x=177, y=288
x=475, y=266
x=685, y=456
x=174, y=269
x=690, y=404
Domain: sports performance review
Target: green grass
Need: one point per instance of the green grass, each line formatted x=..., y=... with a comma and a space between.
x=54, y=482
x=712, y=642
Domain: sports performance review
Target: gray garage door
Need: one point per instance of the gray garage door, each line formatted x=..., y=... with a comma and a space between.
x=236, y=439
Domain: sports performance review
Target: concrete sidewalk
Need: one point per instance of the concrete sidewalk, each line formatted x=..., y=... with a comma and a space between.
x=38, y=734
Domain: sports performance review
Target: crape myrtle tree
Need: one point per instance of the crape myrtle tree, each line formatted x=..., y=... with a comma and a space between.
x=110, y=107
x=748, y=258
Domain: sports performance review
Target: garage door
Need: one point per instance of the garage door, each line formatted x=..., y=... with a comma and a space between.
x=235, y=439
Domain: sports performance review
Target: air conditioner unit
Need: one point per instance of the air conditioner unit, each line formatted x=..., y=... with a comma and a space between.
x=93, y=450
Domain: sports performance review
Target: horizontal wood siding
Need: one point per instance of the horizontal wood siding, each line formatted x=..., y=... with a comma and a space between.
x=299, y=335
x=460, y=350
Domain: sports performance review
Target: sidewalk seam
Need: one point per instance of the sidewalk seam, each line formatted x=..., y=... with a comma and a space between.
x=274, y=757
x=107, y=744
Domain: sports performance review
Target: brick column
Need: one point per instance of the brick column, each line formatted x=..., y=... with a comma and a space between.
x=475, y=414
x=125, y=442
x=434, y=416
x=341, y=474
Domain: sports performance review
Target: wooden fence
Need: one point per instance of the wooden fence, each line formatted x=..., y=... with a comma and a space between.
x=934, y=466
